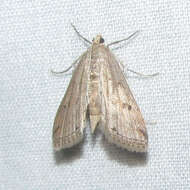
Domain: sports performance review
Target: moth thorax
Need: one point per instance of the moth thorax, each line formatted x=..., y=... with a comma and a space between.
x=98, y=40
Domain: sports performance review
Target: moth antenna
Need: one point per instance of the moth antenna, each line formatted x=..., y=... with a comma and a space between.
x=116, y=42
x=80, y=34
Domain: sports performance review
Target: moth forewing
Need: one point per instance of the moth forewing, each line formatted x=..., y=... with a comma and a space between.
x=124, y=124
x=98, y=84
x=71, y=115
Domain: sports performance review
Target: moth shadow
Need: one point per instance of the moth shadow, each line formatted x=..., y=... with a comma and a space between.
x=119, y=47
x=68, y=155
x=122, y=44
x=95, y=136
x=122, y=156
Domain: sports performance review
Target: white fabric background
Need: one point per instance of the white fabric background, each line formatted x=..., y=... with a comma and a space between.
x=36, y=36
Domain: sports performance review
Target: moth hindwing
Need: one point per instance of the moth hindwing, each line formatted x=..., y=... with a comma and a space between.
x=98, y=85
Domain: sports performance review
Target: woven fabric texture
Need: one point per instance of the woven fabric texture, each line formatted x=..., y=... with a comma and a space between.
x=36, y=36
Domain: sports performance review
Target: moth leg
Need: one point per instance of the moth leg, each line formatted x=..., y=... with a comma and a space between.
x=61, y=72
x=64, y=71
x=80, y=34
x=137, y=73
x=151, y=122
x=116, y=42
x=143, y=75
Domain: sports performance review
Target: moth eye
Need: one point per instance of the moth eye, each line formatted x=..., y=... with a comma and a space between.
x=101, y=40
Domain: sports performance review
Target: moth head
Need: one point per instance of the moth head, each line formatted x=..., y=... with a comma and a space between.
x=98, y=40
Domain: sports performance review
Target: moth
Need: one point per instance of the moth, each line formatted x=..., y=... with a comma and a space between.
x=98, y=89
